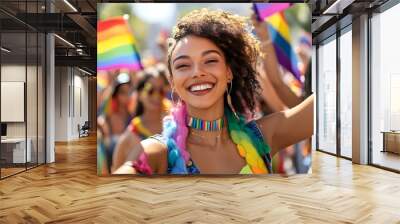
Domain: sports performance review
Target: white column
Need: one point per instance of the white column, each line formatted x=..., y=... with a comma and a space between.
x=50, y=110
x=360, y=90
x=50, y=93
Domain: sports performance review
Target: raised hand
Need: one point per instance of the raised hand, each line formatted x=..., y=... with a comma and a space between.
x=127, y=149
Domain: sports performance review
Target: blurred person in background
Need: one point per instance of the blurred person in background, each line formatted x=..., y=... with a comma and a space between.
x=152, y=106
x=277, y=94
x=119, y=117
x=113, y=116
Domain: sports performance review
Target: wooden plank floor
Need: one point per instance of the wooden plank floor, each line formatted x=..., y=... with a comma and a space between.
x=10, y=171
x=70, y=192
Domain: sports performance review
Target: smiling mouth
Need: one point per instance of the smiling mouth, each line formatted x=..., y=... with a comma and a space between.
x=201, y=88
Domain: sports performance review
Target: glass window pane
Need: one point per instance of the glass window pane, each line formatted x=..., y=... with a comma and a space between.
x=31, y=97
x=14, y=153
x=346, y=94
x=41, y=98
x=385, y=85
x=327, y=96
x=314, y=88
x=23, y=87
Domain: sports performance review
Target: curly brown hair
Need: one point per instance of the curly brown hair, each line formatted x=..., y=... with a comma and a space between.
x=232, y=34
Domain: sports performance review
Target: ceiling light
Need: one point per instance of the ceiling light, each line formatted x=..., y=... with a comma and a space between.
x=64, y=40
x=84, y=71
x=338, y=6
x=5, y=49
x=70, y=5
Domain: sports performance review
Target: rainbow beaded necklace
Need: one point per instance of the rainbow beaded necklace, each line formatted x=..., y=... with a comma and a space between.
x=199, y=124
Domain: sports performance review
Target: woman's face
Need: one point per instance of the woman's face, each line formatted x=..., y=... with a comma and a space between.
x=152, y=94
x=199, y=72
x=123, y=94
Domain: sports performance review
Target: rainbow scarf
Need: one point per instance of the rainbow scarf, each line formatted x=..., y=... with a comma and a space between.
x=116, y=46
x=251, y=148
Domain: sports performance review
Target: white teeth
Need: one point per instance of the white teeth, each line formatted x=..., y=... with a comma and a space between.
x=200, y=87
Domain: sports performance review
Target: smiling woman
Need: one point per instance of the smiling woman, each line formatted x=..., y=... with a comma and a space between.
x=200, y=75
x=212, y=60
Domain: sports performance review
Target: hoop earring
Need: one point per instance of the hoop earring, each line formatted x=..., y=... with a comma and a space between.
x=172, y=97
x=229, y=101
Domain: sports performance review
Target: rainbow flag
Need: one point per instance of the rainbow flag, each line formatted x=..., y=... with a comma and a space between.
x=102, y=82
x=263, y=10
x=105, y=106
x=116, y=46
x=280, y=35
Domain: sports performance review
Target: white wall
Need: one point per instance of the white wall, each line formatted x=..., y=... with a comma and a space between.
x=71, y=93
x=12, y=73
x=61, y=103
